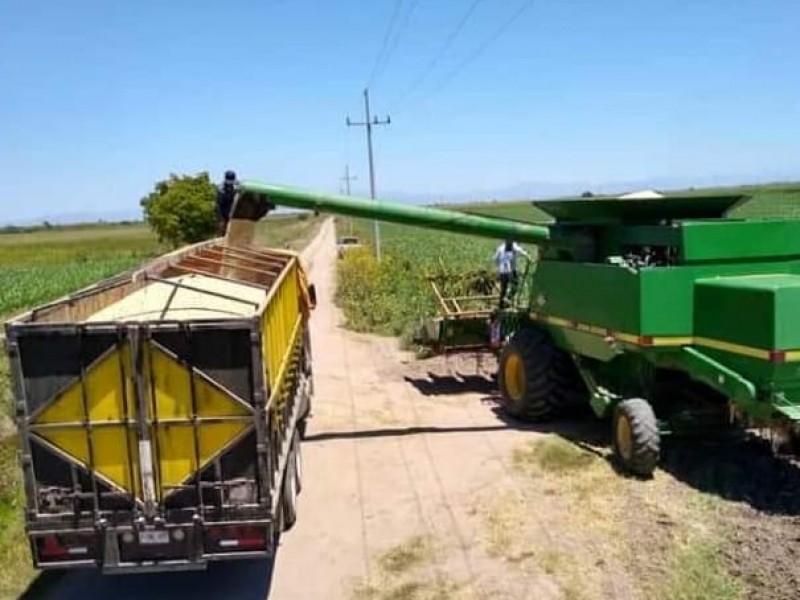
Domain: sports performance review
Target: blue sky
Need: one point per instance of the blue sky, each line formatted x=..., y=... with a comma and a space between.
x=100, y=99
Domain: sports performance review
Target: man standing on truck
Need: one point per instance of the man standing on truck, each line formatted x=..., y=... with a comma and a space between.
x=505, y=258
x=226, y=192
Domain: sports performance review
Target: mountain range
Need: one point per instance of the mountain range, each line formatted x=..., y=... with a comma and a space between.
x=520, y=191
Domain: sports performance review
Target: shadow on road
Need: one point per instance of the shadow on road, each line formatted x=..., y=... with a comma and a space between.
x=451, y=385
x=239, y=580
x=394, y=432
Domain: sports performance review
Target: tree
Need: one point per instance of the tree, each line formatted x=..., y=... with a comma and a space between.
x=180, y=210
x=587, y=194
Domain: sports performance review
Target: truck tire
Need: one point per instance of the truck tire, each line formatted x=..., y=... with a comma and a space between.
x=289, y=496
x=636, y=438
x=298, y=463
x=524, y=377
x=289, y=492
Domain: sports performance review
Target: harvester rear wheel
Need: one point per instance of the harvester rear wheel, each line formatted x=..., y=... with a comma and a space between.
x=636, y=439
x=524, y=378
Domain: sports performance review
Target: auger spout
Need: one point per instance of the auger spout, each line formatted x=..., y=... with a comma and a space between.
x=393, y=212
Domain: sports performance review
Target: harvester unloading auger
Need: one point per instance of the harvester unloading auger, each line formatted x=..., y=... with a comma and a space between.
x=667, y=316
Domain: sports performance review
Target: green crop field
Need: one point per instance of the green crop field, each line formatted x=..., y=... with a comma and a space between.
x=391, y=297
x=42, y=265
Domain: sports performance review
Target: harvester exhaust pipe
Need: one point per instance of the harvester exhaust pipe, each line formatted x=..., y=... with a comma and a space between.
x=257, y=197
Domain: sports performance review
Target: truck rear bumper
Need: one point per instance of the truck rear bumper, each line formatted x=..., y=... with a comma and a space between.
x=122, y=551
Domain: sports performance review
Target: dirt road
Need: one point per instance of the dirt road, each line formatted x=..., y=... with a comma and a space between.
x=389, y=456
x=416, y=487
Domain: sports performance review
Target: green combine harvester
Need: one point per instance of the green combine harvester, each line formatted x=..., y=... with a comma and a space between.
x=666, y=316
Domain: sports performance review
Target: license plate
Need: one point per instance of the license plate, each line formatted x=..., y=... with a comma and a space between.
x=153, y=537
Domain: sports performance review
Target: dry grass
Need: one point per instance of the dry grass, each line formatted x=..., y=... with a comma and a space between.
x=405, y=573
x=574, y=523
x=698, y=574
x=416, y=551
x=409, y=590
x=556, y=456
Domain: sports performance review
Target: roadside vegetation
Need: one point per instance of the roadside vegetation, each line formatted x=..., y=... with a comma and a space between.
x=390, y=297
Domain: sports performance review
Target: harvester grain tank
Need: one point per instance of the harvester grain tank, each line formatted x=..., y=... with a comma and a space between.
x=665, y=316
x=160, y=412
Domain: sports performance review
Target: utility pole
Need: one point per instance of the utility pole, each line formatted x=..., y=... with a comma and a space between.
x=347, y=179
x=368, y=123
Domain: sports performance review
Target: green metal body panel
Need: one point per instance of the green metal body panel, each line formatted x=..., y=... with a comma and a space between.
x=652, y=302
x=754, y=310
x=740, y=241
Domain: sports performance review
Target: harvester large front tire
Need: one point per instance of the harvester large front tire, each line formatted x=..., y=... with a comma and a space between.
x=636, y=438
x=523, y=375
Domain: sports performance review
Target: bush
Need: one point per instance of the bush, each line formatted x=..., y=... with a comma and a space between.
x=181, y=209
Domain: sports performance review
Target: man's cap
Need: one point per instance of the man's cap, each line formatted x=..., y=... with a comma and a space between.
x=230, y=176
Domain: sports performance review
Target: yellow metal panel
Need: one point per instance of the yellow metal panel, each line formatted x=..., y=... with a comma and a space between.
x=176, y=453
x=279, y=326
x=109, y=450
x=173, y=399
x=104, y=395
x=216, y=436
x=111, y=456
x=113, y=435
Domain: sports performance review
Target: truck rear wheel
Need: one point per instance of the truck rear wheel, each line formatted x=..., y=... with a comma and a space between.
x=636, y=438
x=290, y=489
x=526, y=387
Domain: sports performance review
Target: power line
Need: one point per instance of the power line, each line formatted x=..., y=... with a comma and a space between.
x=385, y=43
x=445, y=47
x=481, y=49
x=489, y=41
x=400, y=31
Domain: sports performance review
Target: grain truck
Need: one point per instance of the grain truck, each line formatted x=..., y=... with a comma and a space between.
x=160, y=412
x=664, y=316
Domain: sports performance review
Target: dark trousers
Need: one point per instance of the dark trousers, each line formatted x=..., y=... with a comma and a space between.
x=506, y=280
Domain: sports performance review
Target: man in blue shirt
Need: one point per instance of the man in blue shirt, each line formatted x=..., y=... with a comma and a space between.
x=505, y=258
x=226, y=192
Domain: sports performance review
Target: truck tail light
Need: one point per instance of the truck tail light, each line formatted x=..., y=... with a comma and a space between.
x=54, y=547
x=231, y=538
